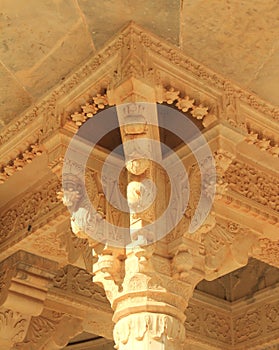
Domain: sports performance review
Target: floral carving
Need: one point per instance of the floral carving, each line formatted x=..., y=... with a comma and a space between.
x=20, y=161
x=272, y=316
x=247, y=326
x=218, y=327
x=29, y=209
x=264, y=143
x=253, y=184
x=12, y=326
x=97, y=103
x=78, y=281
x=267, y=251
x=185, y=104
x=199, y=112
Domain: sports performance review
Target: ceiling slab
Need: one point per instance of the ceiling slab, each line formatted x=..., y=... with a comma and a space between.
x=105, y=18
x=41, y=43
x=235, y=38
x=68, y=53
x=13, y=97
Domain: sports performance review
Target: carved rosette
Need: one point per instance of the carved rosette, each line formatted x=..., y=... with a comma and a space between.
x=17, y=163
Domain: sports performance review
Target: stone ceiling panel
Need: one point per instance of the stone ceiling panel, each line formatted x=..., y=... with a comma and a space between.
x=244, y=282
x=105, y=18
x=13, y=97
x=237, y=39
x=41, y=43
x=266, y=82
x=30, y=32
x=66, y=54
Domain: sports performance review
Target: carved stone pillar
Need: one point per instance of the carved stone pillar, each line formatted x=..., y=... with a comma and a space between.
x=149, y=331
x=150, y=300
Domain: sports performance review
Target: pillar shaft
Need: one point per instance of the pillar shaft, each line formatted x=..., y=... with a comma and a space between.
x=147, y=330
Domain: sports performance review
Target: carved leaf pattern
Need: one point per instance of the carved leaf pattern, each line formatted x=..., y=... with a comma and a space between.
x=12, y=326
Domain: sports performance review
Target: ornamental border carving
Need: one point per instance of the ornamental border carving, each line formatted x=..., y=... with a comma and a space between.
x=153, y=45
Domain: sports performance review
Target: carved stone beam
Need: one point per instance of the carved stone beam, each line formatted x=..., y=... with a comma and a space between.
x=138, y=120
x=24, y=280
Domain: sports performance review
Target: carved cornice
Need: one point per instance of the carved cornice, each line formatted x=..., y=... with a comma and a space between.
x=161, y=53
x=21, y=160
x=263, y=142
x=134, y=53
x=244, y=207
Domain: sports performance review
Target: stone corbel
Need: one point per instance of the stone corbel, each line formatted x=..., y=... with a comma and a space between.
x=50, y=331
x=24, y=282
x=227, y=247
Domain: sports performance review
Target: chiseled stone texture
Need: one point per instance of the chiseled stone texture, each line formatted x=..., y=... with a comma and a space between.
x=41, y=42
x=238, y=39
x=105, y=18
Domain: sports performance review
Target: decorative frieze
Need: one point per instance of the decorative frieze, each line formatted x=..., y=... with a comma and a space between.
x=30, y=212
x=78, y=281
x=164, y=95
x=24, y=282
x=267, y=250
x=253, y=184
